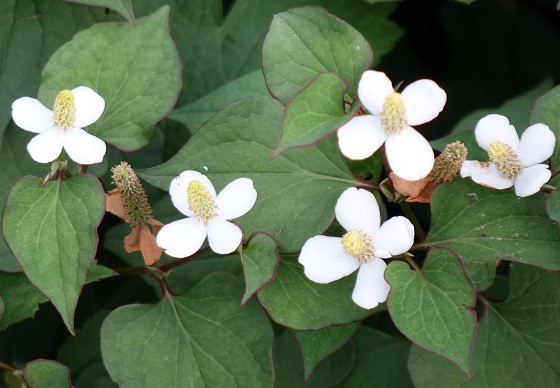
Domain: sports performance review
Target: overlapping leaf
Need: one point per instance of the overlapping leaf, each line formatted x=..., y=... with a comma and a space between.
x=260, y=260
x=546, y=111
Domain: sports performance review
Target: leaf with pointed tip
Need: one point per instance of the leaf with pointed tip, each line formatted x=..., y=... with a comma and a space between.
x=296, y=192
x=202, y=338
x=136, y=69
x=51, y=230
x=123, y=7
x=294, y=301
x=303, y=42
x=484, y=225
x=260, y=260
x=517, y=340
x=434, y=307
x=46, y=373
x=546, y=110
x=316, y=345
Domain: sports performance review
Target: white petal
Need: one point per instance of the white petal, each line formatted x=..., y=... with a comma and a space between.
x=182, y=238
x=531, y=179
x=325, y=261
x=46, y=146
x=495, y=128
x=373, y=89
x=360, y=137
x=424, y=100
x=371, y=287
x=223, y=236
x=395, y=236
x=236, y=199
x=358, y=209
x=89, y=106
x=485, y=174
x=84, y=148
x=536, y=145
x=29, y=114
x=409, y=154
x=178, y=190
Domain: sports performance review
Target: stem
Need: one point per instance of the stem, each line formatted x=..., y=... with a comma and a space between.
x=413, y=264
x=131, y=271
x=407, y=210
x=7, y=367
x=177, y=263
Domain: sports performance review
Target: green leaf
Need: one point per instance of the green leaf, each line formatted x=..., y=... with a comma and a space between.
x=30, y=31
x=303, y=42
x=46, y=374
x=484, y=225
x=15, y=162
x=294, y=301
x=290, y=370
x=51, y=230
x=22, y=299
x=315, y=112
x=123, y=7
x=517, y=340
x=380, y=358
x=553, y=205
x=136, y=69
x=316, y=345
x=296, y=192
x=434, y=307
x=202, y=338
x=260, y=261
x=546, y=111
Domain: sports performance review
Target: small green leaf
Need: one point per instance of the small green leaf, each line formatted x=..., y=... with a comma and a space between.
x=316, y=345
x=484, y=225
x=260, y=260
x=314, y=113
x=546, y=110
x=517, y=340
x=434, y=307
x=46, y=374
x=136, y=69
x=202, y=338
x=303, y=42
x=51, y=230
x=123, y=7
x=296, y=192
x=294, y=301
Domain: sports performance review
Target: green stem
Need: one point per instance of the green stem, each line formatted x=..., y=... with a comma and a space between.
x=413, y=264
x=407, y=210
x=7, y=367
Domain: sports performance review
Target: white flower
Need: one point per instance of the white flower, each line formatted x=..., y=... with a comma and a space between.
x=326, y=259
x=194, y=195
x=62, y=127
x=513, y=162
x=409, y=154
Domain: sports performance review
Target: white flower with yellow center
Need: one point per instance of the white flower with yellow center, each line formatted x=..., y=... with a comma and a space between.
x=366, y=243
x=208, y=215
x=409, y=154
x=513, y=161
x=63, y=126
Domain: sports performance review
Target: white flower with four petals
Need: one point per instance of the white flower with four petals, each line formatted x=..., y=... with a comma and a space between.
x=363, y=247
x=409, y=154
x=208, y=215
x=513, y=161
x=62, y=128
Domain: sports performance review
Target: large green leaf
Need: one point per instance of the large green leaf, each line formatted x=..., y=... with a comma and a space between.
x=46, y=374
x=123, y=7
x=136, y=69
x=51, y=230
x=316, y=345
x=260, y=260
x=434, y=307
x=296, y=192
x=202, y=338
x=294, y=301
x=517, y=340
x=30, y=31
x=380, y=361
x=484, y=225
x=303, y=42
x=546, y=110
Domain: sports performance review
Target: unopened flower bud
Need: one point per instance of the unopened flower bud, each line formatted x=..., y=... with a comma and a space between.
x=448, y=164
x=132, y=194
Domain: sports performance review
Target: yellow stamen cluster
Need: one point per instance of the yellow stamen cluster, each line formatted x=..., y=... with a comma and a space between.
x=64, y=110
x=358, y=245
x=448, y=164
x=132, y=194
x=201, y=201
x=393, y=114
x=505, y=159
